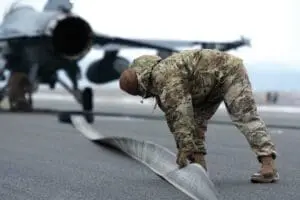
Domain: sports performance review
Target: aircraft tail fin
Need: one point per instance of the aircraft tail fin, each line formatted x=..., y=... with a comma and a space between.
x=58, y=5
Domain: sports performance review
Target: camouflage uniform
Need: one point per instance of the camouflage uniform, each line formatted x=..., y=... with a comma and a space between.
x=189, y=87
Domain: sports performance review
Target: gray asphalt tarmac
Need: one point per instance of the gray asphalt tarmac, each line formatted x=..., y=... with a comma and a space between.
x=42, y=159
x=289, y=120
x=230, y=160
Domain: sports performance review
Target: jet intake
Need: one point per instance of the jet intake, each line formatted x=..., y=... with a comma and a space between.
x=71, y=37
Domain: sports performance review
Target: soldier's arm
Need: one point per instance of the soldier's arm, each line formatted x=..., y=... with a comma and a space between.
x=177, y=102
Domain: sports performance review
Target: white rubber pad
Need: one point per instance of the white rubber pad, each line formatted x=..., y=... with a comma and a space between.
x=192, y=180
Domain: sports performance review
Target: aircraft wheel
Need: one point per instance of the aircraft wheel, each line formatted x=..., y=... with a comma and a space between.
x=2, y=95
x=29, y=100
x=87, y=100
x=88, y=104
x=89, y=117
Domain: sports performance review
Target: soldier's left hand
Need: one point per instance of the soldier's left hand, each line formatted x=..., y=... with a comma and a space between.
x=186, y=150
x=183, y=158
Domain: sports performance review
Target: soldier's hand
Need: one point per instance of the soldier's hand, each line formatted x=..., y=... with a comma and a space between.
x=183, y=158
x=186, y=151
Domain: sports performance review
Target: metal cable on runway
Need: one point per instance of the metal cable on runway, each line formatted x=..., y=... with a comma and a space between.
x=192, y=180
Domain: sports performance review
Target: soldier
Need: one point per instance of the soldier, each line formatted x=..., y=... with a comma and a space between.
x=18, y=86
x=189, y=87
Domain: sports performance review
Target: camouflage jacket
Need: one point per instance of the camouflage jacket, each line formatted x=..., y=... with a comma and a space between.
x=187, y=80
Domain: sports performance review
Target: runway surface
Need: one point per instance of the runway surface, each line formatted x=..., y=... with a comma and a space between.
x=42, y=159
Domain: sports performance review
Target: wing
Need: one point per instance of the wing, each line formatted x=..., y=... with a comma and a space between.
x=13, y=35
x=29, y=37
x=109, y=43
x=17, y=27
x=223, y=46
x=170, y=43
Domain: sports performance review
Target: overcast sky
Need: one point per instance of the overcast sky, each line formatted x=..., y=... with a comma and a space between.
x=273, y=26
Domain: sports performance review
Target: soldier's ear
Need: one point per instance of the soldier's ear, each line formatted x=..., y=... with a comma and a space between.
x=128, y=82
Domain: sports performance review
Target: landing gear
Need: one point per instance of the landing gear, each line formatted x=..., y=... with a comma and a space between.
x=3, y=92
x=85, y=98
x=87, y=103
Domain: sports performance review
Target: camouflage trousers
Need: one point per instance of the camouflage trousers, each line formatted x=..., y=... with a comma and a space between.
x=239, y=101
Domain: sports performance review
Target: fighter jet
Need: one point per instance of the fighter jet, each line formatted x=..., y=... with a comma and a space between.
x=39, y=43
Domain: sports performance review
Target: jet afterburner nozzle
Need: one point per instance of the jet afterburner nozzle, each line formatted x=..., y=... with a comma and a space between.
x=71, y=36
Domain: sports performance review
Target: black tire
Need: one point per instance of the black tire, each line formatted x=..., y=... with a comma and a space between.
x=89, y=117
x=30, y=100
x=64, y=117
x=87, y=100
x=2, y=95
x=52, y=85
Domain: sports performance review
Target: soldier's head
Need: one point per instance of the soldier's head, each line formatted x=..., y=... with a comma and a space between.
x=136, y=80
